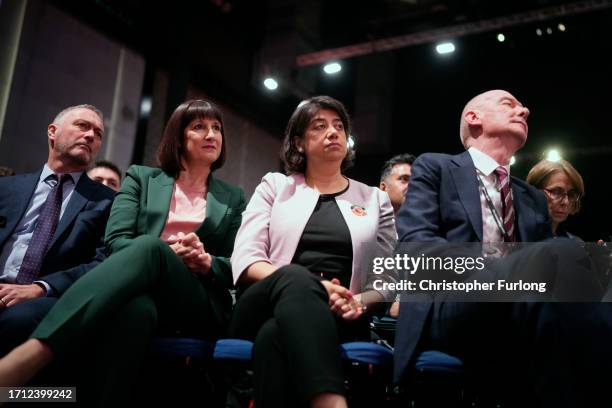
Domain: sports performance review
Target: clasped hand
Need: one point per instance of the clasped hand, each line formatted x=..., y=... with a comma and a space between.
x=190, y=249
x=342, y=302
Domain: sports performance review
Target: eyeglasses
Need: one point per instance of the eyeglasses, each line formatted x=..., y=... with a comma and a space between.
x=558, y=194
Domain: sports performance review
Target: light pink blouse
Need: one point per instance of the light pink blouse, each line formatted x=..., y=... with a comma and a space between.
x=187, y=210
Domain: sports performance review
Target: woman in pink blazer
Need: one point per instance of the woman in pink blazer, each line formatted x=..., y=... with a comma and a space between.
x=301, y=258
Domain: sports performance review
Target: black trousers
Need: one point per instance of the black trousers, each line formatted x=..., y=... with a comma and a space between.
x=556, y=350
x=296, y=338
x=19, y=321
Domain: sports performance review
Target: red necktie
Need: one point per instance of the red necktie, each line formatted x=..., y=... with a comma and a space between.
x=507, y=205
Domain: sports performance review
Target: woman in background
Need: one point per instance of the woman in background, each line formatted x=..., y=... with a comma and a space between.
x=563, y=187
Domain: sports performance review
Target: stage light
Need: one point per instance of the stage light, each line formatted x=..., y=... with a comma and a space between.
x=270, y=83
x=145, y=106
x=539, y=32
x=561, y=27
x=332, y=68
x=549, y=31
x=501, y=37
x=553, y=155
x=445, y=48
x=351, y=142
x=512, y=160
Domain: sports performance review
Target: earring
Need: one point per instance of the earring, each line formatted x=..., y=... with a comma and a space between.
x=300, y=150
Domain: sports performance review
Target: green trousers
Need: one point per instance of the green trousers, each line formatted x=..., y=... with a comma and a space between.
x=117, y=307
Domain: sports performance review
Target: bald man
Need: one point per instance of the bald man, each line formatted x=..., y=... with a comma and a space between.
x=458, y=199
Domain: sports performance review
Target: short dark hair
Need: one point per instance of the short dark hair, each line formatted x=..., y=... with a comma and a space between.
x=404, y=158
x=170, y=149
x=295, y=162
x=108, y=165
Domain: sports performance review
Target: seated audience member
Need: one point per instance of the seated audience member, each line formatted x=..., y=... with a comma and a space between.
x=107, y=173
x=395, y=178
x=551, y=350
x=563, y=187
x=51, y=224
x=170, y=234
x=6, y=171
x=299, y=261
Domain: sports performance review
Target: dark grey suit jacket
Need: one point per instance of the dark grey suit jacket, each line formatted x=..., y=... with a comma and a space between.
x=443, y=205
x=77, y=245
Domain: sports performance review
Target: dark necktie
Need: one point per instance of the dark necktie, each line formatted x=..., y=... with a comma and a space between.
x=507, y=205
x=43, y=232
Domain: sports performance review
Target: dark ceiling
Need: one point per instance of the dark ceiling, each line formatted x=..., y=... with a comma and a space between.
x=224, y=47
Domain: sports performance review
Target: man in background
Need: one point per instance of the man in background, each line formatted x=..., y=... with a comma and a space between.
x=107, y=173
x=395, y=177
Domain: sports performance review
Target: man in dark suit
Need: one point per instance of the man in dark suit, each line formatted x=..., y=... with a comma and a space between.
x=470, y=197
x=52, y=224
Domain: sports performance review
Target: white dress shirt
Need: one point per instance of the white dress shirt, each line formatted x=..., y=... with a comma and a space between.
x=485, y=168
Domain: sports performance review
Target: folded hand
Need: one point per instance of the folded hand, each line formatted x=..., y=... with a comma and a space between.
x=342, y=302
x=190, y=249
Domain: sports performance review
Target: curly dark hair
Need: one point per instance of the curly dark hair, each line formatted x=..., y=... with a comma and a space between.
x=170, y=149
x=294, y=161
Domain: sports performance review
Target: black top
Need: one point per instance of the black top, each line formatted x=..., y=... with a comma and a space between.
x=562, y=232
x=325, y=247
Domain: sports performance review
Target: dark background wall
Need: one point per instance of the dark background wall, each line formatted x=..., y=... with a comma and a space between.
x=123, y=55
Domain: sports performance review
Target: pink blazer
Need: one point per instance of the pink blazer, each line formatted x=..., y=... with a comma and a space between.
x=276, y=216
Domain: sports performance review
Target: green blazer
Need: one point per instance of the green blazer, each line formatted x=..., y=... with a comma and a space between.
x=142, y=207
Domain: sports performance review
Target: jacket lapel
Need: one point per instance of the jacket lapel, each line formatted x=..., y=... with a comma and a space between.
x=293, y=205
x=525, y=214
x=466, y=184
x=217, y=200
x=17, y=200
x=159, y=196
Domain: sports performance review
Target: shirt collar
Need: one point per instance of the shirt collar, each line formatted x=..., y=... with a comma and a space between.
x=46, y=172
x=484, y=163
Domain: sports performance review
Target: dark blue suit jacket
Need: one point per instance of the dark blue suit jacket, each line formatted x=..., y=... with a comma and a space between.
x=78, y=242
x=443, y=205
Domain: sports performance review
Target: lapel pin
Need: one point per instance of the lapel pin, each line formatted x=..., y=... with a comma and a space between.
x=358, y=210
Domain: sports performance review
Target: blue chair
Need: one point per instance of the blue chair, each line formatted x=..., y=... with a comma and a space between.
x=438, y=379
x=368, y=369
x=439, y=363
x=181, y=371
x=367, y=353
x=368, y=365
x=359, y=352
x=181, y=347
x=233, y=349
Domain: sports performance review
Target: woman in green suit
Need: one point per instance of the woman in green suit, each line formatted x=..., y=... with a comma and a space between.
x=170, y=235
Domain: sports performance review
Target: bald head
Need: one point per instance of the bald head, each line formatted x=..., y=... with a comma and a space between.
x=492, y=108
x=475, y=104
